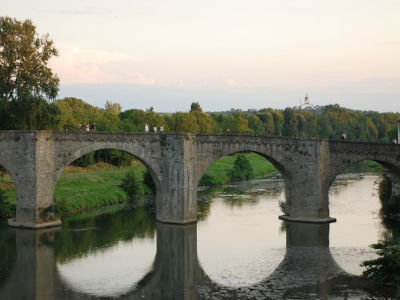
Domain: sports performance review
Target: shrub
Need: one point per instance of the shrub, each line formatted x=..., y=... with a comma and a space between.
x=131, y=186
x=385, y=270
x=283, y=207
x=390, y=204
x=85, y=160
x=242, y=169
x=4, y=207
x=209, y=180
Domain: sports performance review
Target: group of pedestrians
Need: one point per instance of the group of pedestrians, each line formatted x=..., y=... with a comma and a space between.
x=146, y=128
x=88, y=127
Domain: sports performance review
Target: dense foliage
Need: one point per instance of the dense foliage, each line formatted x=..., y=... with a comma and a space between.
x=132, y=186
x=27, y=84
x=390, y=203
x=318, y=122
x=242, y=169
x=385, y=270
x=3, y=204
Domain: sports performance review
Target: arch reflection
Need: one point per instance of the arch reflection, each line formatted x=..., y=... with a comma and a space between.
x=307, y=269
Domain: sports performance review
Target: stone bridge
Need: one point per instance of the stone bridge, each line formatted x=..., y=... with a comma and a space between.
x=36, y=159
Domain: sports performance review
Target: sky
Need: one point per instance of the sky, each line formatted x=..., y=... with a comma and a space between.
x=222, y=53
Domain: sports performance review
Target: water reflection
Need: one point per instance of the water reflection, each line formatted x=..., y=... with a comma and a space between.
x=308, y=269
x=240, y=240
x=123, y=253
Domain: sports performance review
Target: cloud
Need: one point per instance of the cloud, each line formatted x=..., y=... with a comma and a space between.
x=231, y=82
x=82, y=65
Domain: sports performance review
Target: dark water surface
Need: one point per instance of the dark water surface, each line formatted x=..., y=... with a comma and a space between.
x=239, y=249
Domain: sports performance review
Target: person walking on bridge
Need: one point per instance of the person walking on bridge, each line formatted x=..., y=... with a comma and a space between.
x=343, y=136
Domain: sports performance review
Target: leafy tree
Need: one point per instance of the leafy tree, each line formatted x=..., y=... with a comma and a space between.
x=242, y=169
x=113, y=108
x=195, y=106
x=255, y=124
x=26, y=81
x=85, y=160
x=237, y=123
x=290, y=122
x=385, y=270
x=131, y=186
x=183, y=122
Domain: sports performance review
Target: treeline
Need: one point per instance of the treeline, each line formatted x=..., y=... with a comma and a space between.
x=321, y=122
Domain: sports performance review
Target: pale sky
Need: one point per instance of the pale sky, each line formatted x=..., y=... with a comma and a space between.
x=223, y=53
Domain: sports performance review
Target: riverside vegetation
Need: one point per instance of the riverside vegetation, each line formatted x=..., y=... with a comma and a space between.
x=384, y=271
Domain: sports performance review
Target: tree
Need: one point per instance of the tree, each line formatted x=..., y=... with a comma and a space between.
x=242, y=169
x=131, y=186
x=27, y=84
x=385, y=270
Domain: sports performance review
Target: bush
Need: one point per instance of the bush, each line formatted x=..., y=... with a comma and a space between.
x=209, y=180
x=390, y=204
x=242, y=169
x=385, y=270
x=131, y=186
x=85, y=160
x=4, y=207
x=283, y=207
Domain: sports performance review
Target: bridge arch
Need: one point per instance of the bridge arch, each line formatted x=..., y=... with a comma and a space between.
x=78, y=153
x=281, y=168
x=340, y=166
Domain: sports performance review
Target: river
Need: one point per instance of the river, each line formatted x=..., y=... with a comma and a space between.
x=238, y=249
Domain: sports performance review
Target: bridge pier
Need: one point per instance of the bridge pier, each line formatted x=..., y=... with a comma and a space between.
x=307, y=188
x=35, y=184
x=177, y=193
x=176, y=264
x=34, y=266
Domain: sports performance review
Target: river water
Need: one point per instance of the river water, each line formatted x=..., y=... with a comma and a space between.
x=239, y=249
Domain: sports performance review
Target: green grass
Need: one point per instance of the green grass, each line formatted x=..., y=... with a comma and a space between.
x=98, y=186
x=81, y=189
x=217, y=173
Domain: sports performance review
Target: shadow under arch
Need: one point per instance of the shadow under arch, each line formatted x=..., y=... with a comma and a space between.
x=287, y=177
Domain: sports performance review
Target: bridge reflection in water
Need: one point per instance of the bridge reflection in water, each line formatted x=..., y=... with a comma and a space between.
x=308, y=268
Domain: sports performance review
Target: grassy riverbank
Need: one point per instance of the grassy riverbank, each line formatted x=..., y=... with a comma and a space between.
x=217, y=173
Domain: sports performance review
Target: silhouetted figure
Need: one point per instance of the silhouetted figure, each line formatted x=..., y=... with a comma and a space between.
x=87, y=127
x=146, y=128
